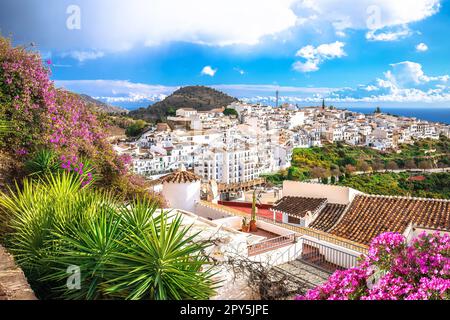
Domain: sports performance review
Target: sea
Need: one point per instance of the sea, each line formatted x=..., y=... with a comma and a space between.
x=430, y=114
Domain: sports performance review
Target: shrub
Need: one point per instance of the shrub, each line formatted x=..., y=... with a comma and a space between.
x=43, y=162
x=41, y=117
x=394, y=270
x=125, y=250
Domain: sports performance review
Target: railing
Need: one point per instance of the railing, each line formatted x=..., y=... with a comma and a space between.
x=224, y=187
x=325, y=257
x=302, y=231
x=270, y=244
x=319, y=235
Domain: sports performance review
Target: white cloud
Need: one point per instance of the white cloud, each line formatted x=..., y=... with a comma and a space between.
x=117, y=91
x=208, y=22
x=405, y=74
x=385, y=20
x=404, y=82
x=314, y=56
x=422, y=47
x=117, y=25
x=388, y=35
x=83, y=56
x=208, y=71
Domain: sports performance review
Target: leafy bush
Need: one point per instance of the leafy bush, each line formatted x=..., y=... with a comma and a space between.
x=124, y=250
x=41, y=117
x=230, y=112
x=135, y=129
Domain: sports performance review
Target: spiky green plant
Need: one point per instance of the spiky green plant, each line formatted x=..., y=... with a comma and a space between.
x=43, y=162
x=5, y=127
x=124, y=250
x=162, y=262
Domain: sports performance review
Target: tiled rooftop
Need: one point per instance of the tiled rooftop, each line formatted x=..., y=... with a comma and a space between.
x=328, y=217
x=298, y=206
x=369, y=216
x=180, y=176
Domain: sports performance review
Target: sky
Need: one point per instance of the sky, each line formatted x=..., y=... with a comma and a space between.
x=134, y=52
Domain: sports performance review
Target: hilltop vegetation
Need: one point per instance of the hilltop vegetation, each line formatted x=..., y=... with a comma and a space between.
x=200, y=98
x=340, y=159
x=434, y=185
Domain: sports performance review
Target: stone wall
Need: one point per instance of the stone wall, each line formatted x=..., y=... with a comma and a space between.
x=13, y=283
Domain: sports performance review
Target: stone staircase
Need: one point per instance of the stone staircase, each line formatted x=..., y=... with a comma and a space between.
x=310, y=276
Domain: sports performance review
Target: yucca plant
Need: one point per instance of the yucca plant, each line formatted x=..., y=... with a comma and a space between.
x=87, y=244
x=31, y=213
x=43, y=162
x=124, y=250
x=163, y=262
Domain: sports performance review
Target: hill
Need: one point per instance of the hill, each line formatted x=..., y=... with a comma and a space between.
x=101, y=106
x=200, y=98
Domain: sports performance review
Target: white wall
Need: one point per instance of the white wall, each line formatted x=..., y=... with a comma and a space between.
x=182, y=196
x=279, y=256
x=330, y=253
x=210, y=213
x=334, y=194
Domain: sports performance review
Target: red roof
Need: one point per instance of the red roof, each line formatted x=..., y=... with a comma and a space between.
x=263, y=210
x=417, y=178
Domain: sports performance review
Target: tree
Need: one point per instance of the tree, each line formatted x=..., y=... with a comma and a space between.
x=348, y=160
x=333, y=180
x=425, y=164
x=410, y=164
x=391, y=165
x=378, y=165
x=230, y=112
x=363, y=166
x=135, y=129
x=171, y=112
x=378, y=110
x=349, y=169
x=319, y=172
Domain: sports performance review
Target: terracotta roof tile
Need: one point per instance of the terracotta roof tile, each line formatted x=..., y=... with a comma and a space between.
x=180, y=176
x=369, y=216
x=298, y=206
x=328, y=217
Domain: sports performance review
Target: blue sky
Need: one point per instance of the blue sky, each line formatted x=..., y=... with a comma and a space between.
x=131, y=53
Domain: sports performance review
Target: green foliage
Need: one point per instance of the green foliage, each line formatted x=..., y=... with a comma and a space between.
x=136, y=128
x=338, y=158
x=435, y=185
x=230, y=112
x=200, y=98
x=43, y=162
x=124, y=250
x=5, y=127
